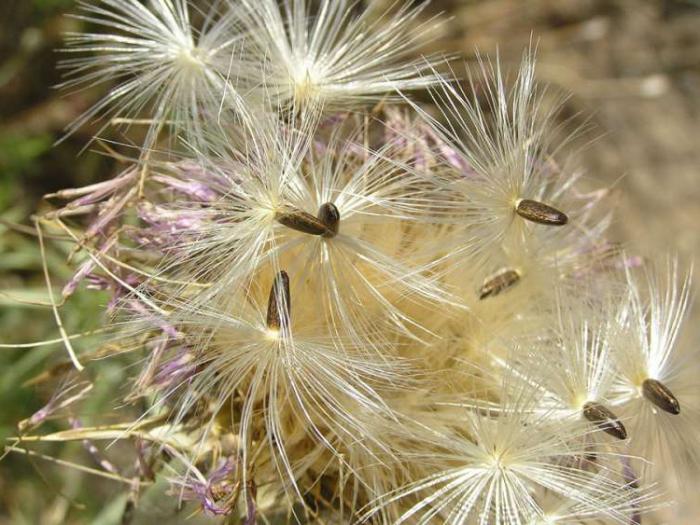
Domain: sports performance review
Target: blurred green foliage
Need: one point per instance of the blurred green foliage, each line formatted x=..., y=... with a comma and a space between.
x=19, y=155
x=52, y=5
x=32, y=114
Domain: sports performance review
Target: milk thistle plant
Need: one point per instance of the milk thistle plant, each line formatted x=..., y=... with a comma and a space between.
x=340, y=304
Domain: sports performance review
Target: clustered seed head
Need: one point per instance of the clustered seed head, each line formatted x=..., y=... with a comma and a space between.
x=464, y=344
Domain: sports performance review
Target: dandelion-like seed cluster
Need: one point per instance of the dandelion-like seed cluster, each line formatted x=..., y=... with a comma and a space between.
x=339, y=304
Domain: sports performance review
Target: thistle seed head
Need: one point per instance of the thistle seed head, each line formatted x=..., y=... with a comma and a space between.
x=268, y=97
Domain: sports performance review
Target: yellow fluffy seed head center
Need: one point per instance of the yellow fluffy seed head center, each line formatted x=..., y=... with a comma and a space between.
x=306, y=79
x=190, y=59
x=579, y=401
x=273, y=334
x=497, y=459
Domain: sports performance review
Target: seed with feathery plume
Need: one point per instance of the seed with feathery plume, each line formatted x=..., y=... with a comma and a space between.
x=654, y=378
x=251, y=177
x=309, y=382
x=498, y=283
x=569, y=363
x=604, y=419
x=659, y=394
x=499, y=158
x=540, y=213
x=159, y=60
x=303, y=55
x=493, y=476
x=279, y=305
x=363, y=262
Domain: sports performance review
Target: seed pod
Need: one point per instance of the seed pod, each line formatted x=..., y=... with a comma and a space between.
x=499, y=282
x=301, y=221
x=279, y=304
x=660, y=395
x=329, y=215
x=604, y=419
x=540, y=213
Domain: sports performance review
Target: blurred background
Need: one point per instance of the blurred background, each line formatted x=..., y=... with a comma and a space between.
x=631, y=69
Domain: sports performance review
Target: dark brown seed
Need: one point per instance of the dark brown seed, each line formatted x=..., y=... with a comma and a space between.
x=279, y=305
x=604, y=419
x=540, y=213
x=301, y=221
x=498, y=283
x=329, y=215
x=659, y=394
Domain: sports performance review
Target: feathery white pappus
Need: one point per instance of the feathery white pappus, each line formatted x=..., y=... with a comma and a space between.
x=657, y=385
x=166, y=71
x=254, y=179
x=338, y=217
x=276, y=360
x=569, y=365
x=561, y=511
x=330, y=54
x=377, y=253
x=500, y=164
x=492, y=469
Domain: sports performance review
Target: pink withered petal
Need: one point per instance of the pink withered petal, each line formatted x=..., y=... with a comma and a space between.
x=109, y=213
x=94, y=452
x=136, y=306
x=97, y=192
x=194, y=189
x=68, y=393
x=176, y=370
x=214, y=492
x=87, y=268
